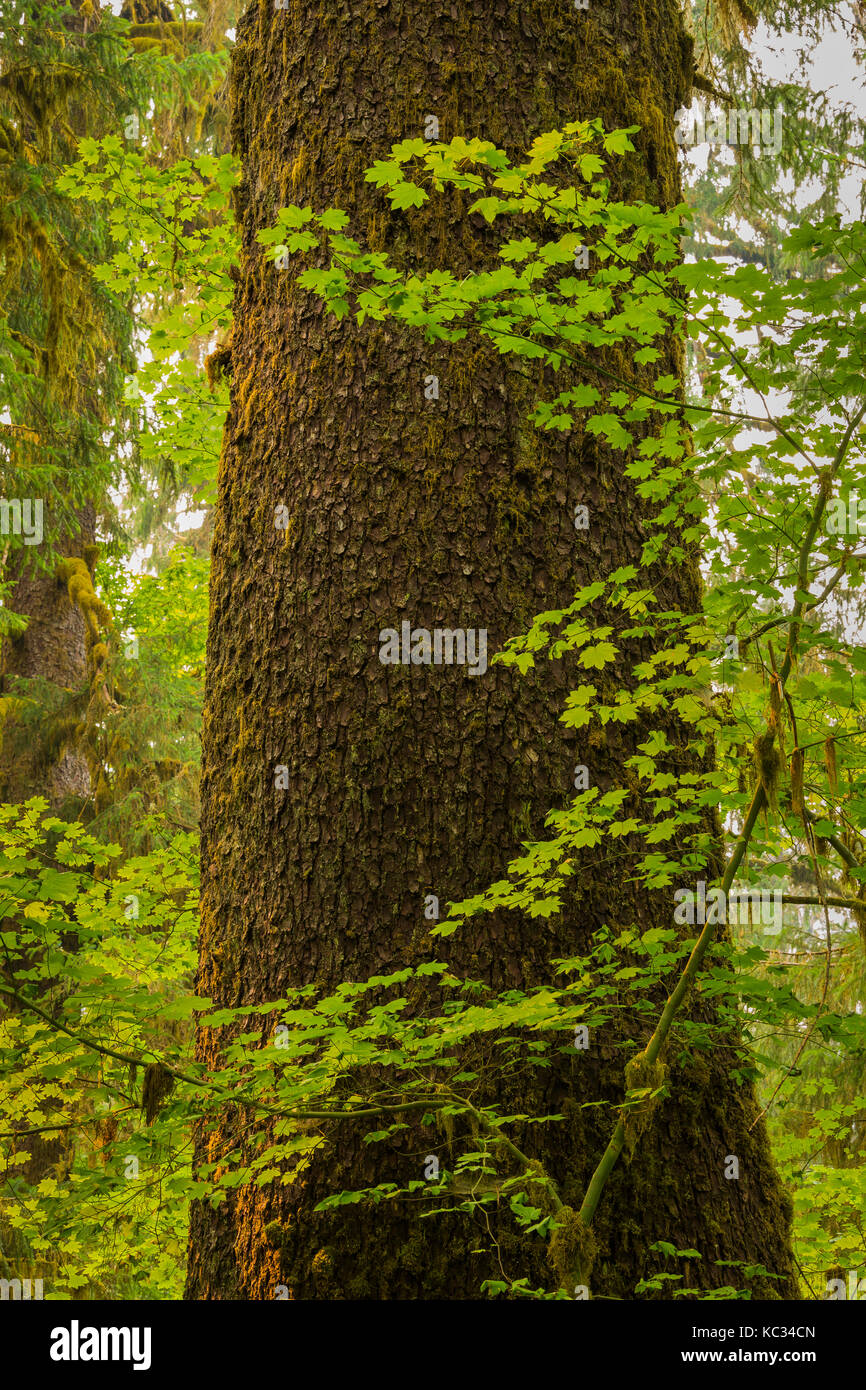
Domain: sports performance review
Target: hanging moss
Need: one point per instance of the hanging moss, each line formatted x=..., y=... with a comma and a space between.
x=218, y=364
x=77, y=575
x=768, y=765
x=156, y=1087
x=641, y=1074
x=79, y=582
x=572, y=1251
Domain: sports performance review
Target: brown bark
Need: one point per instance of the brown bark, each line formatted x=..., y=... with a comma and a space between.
x=50, y=650
x=413, y=780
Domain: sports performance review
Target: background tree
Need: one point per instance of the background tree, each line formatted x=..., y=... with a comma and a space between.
x=68, y=345
x=71, y=726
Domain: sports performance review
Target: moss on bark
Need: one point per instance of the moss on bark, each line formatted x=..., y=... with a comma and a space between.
x=405, y=780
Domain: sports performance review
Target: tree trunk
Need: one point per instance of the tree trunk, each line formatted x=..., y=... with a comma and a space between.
x=51, y=650
x=410, y=780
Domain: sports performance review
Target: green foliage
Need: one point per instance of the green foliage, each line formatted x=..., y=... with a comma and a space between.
x=115, y=944
x=151, y=736
x=64, y=342
x=172, y=244
x=749, y=197
x=762, y=480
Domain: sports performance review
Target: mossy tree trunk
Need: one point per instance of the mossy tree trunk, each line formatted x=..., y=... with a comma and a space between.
x=80, y=347
x=52, y=651
x=44, y=671
x=408, y=780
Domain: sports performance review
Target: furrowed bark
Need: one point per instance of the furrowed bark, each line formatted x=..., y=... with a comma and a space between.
x=409, y=780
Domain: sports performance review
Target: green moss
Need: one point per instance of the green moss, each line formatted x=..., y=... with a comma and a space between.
x=641, y=1074
x=572, y=1251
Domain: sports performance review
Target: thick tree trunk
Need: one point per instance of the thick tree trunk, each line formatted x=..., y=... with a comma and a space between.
x=408, y=780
